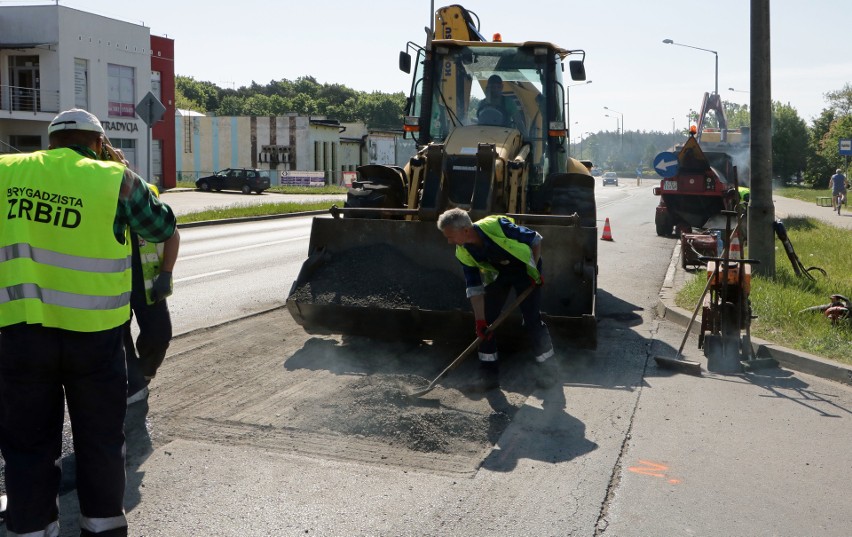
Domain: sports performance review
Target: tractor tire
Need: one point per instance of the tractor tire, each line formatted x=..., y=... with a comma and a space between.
x=664, y=230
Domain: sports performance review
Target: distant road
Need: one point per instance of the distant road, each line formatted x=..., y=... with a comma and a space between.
x=192, y=201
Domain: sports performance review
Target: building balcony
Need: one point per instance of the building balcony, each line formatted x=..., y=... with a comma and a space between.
x=22, y=103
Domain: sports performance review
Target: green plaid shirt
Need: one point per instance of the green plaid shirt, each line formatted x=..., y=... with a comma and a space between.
x=138, y=208
x=142, y=211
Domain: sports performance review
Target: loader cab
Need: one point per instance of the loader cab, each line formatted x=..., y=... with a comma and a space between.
x=450, y=91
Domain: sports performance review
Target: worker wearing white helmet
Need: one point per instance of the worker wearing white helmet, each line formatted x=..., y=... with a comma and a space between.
x=64, y=296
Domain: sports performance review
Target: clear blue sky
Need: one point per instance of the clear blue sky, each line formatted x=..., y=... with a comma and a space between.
x=632, y=71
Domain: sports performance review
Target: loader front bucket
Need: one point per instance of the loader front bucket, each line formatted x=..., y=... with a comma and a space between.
x=398, y=279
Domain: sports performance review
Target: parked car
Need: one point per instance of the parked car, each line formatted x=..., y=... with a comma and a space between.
x=610, y=178
x=246, y=180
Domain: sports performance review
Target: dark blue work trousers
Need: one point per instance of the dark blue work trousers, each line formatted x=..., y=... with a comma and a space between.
x=496, y=294
x=155, y=335
x=40, y=369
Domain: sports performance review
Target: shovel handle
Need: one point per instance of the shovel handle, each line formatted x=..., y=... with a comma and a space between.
x=493, y=326
x=695, y=311
x=473, y=346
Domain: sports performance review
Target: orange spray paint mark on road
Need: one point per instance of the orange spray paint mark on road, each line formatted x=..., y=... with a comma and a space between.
x=653, y=469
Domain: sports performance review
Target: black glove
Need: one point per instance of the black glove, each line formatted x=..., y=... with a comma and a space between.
x=162, y=286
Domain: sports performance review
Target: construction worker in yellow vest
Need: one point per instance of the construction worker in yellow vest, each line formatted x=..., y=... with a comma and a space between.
x=498, y=256
x=64, y=297
x=152, y=265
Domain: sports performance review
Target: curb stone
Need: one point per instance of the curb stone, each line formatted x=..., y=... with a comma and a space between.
x=792, y=359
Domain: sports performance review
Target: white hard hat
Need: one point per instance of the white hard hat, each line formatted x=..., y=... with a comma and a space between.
x=75, y=119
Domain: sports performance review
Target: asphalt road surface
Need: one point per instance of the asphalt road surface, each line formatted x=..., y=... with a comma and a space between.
x=254, y=427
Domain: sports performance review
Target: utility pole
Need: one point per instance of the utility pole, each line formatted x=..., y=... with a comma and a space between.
x=761, y=211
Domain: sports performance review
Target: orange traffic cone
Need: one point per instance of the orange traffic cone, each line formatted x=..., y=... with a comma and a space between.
x=607, y=232
x=736, y=251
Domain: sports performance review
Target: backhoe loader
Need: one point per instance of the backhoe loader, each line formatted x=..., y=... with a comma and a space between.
x=380, y=267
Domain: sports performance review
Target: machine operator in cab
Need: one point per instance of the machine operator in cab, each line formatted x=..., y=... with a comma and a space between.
x=497, y=109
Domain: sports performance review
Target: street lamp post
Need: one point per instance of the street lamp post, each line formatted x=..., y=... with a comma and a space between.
x=617, y=127
x=673, y=134
x=622, y=124
x=670, y=42
x=568, y=107
x=582, y=136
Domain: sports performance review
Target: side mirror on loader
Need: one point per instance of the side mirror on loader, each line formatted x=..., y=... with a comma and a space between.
x=405, y=62
x=578, y=70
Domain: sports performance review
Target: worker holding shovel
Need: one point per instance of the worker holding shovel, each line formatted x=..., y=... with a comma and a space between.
x=497, y=256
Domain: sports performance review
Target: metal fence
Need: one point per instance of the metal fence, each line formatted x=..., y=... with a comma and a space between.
x=20, y=99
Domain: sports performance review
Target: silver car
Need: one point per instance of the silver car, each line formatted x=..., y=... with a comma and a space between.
x=610, y=178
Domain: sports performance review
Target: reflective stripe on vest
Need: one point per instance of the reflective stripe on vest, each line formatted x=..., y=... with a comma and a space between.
x=60, y=264
x=151, y=259
x=490, y=225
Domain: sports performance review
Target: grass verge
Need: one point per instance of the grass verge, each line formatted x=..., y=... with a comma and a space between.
x=263, y=209
x=777, y=301
x=803, y=193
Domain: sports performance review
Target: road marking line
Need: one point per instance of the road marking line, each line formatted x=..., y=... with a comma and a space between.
x=241, y=248
x=201, y=275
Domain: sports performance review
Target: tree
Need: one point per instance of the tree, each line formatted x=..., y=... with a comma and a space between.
x=737, y=115
x=789, y=141
x=841, y=100
x=830, y=144
x=818, y=168
x=200, y=96
x=381, y=110
x=304, y=104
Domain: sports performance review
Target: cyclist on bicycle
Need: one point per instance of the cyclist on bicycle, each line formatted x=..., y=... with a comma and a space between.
x=838, y=189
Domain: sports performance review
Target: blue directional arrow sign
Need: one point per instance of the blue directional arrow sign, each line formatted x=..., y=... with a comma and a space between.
x=665, y=164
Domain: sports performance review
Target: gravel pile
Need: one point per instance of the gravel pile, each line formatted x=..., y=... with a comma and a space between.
x=381, y=276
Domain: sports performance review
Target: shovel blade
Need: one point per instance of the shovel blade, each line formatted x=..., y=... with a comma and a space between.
x=421, y=392
x=759, y=363
x=680, y=365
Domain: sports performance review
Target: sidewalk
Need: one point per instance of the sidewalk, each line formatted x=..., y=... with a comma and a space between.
x=787, y=207
x=796, y=360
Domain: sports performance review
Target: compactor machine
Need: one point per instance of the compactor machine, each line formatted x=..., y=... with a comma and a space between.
x=380, y=267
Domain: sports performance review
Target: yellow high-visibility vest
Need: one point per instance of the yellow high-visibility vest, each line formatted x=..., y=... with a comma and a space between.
x=490, y=225
x=60, y=263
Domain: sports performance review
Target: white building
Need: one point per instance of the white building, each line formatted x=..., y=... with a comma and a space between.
x=53, y=58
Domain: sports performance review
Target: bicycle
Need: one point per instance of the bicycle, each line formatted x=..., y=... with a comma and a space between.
x=839, y=199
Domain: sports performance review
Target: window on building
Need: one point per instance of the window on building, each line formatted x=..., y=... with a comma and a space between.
x=81, y=83
x=122, y=84
x=128, y=145
x=25, y=83
x=156, y=85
